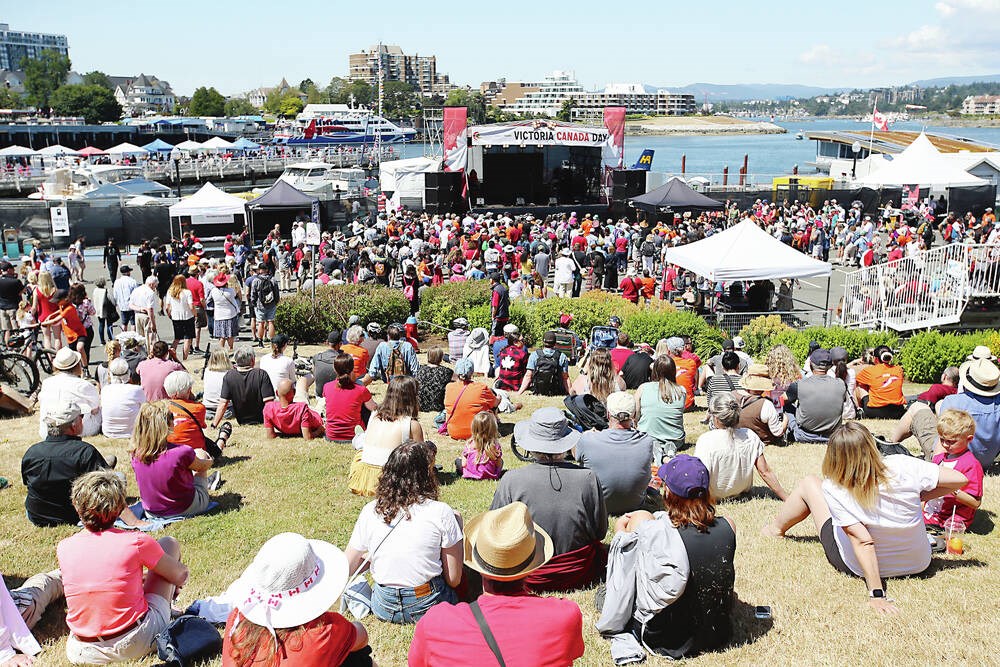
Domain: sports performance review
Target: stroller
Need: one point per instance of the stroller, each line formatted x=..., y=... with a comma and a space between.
x=583, y=413
x=606, y=337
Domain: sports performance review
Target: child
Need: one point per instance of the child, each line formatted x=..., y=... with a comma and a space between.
x=955, y=430
x=482, y=457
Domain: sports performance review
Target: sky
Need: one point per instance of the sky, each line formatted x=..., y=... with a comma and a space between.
x=238, y=46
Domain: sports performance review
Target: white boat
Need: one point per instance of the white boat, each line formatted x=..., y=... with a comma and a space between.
x=98, y=182
x=324, y=180
x=326, y=124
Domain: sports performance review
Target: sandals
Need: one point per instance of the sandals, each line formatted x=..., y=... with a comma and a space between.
x=225, y=430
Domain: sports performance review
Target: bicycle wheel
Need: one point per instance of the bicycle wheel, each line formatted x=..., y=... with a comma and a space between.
x=19, y=372
x=44, y=359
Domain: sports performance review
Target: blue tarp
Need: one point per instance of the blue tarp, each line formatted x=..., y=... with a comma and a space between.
x=244, y=144
x=158, y=145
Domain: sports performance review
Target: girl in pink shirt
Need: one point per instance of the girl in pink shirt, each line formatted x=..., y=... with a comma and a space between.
x=482, y=457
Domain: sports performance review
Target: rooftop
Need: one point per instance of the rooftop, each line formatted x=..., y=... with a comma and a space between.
x=895, y=141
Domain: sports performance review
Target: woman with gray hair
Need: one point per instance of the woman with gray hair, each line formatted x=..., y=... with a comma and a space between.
x=731, y=454
x=120, y=401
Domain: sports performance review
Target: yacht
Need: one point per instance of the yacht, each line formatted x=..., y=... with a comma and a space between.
x=323, y=180
x=324, y=124
x=98, y=182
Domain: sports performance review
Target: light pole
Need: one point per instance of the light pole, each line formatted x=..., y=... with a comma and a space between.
x=855, y=148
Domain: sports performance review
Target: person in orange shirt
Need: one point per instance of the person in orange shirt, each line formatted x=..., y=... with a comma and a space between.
x=687, y=369
x=648, y=285
x=464, y=399
x=355, y=335
x=189, y=416
x=880, y=387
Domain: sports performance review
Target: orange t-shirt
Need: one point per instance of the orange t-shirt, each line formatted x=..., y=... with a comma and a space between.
x=186, y=431
x=325, y=640
x=687, y=377
x=360, y=355
x=884, y=384
x=648, y=287
x=476, y=398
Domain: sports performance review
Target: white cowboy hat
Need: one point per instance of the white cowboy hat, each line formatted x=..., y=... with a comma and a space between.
x=65, y=359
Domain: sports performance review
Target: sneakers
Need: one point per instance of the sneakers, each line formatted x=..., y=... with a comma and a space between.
x=213, y=480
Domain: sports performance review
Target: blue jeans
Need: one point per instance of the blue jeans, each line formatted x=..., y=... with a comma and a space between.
x=802, y=435
x=401, y=605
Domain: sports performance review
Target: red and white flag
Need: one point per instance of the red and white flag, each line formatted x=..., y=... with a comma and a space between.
x=879, y=120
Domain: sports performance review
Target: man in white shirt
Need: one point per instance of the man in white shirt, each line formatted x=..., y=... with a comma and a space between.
x=564, y=267
x=298, y=234
x=144, y=303
x=121, y=291
x=67, y=386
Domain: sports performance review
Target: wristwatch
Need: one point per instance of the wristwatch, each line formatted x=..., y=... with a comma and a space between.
x=876, y=593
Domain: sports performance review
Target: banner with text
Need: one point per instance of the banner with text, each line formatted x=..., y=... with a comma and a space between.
x=454, y=136
x=537, y=133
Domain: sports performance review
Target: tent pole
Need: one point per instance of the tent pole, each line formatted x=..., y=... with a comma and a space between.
x=826, y=309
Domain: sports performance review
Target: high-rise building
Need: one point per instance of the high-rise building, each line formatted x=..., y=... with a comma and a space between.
x=416, y=70
x=16, y=45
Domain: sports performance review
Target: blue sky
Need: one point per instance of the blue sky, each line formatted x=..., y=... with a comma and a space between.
x=237, y=46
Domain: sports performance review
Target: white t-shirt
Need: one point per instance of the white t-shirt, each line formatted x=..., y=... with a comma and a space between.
x=213, y=388
x=143, y=298
x=120, y=405
x=67, y=388
x=278, y=368
x=181, y=308
x=226, y=303
x=564, y=270
x=769, y=415
x=895, y=521
x=411, y=555
x=730, y=462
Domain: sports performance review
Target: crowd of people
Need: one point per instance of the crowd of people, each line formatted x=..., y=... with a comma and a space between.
x=471, y=585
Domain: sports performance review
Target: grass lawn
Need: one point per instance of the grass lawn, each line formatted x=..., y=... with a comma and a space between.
x=820, y=617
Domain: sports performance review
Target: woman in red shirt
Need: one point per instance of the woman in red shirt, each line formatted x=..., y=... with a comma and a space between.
x=344, y=399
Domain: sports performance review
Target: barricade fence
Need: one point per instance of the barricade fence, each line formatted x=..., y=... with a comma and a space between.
x=733, y=322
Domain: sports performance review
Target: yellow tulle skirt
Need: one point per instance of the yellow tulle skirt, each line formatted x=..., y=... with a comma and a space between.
x=362, y=478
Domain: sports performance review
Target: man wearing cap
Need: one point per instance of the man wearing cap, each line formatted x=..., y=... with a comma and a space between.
x=565, y=499
x=621, y=456
x=511, y=360
x=67, y=385
x=197, y=288
x=505, y=546
x=816, y=401
x=564, y=268
x=11, y=289
x=548, y=370
x=457, y=337
x=373, y=338
x=144, y=302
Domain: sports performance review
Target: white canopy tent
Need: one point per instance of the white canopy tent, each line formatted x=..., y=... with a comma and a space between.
x=56, y=150
x=216, y=144
x=16, y=151
x=405, y=178
x=189, y=146
x=209, y=205
x=127, y=149
x=920, y=163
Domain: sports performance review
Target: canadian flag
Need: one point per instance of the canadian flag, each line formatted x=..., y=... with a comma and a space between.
x=879, y=120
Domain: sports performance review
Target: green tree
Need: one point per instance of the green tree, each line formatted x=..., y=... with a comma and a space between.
x=239, y=107
x=97, y=78
x=289, y=105
x=566, y=110
x=399, y=100
x=334, y=88
x=359, y=93
x=9, y=99
x=96, y=104
x=473, y=101
x=207, y=102
x=43, y=75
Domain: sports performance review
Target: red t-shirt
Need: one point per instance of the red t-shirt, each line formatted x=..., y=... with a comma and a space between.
x=290, y=419
x=102, y=577
x=936, y=392
x=543, y=632
x=621, y=244
x=323, y=641
x=343, y=409
x=618, y=357
x=967, y=464
x=630, y=290
x=197, y=291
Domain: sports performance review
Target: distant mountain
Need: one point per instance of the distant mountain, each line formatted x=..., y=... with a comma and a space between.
x=715, y=92
x=957, y=80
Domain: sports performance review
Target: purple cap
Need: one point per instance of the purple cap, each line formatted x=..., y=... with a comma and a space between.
x=686, y=476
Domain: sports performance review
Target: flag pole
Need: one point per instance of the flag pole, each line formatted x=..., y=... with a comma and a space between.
x=871, y=135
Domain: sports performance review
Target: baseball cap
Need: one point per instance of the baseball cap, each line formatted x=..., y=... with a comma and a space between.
x=621, y=404
x=549, y=338
x=333, y=337
x=510, y=329
x=686, y=476
x=738, y=342
x=821, y=357
x=464, y=367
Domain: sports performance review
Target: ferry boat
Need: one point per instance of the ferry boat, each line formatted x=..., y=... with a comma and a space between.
x=326, y=124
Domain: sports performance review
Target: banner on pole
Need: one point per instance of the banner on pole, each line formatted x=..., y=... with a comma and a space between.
x=454, y=136
x=613, y=151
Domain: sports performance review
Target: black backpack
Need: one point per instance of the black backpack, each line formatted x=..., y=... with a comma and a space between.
x=547, y=379
x=267, y=293
x=648, y=249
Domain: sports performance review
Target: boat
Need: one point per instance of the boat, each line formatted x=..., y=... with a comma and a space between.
x=833, y=145
x=98, y=182
x=331, y=124
x=323, y=180
x=800, y=135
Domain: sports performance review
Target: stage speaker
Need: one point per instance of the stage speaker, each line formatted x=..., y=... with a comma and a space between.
x=627, y=183
x=432, y=179
x=443, y=191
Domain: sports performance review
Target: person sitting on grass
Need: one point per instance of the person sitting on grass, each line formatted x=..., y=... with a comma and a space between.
x=346, y=400
x=286, y=417
x=393, y=423
x=880, y=387
x=114, y=608
x=153, y=371
x=731, y=453
x=659, y=409
x=20, y=610
x=867, y=510
x=757, y=411
x=432, y=381
x=246, y=388
x=172, y=479
x=956, y=430
x=120, y=401
x=547, y=373
x=301, y=630
x=66, y=385
x=189, y=416
x=815, y=404
x=505, y=546
x=482, y=457
x=464, y=399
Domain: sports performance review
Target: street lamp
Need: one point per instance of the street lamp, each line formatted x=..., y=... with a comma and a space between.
x=855, y=148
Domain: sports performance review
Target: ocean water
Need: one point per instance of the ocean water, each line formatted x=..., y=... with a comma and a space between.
x=768, y=154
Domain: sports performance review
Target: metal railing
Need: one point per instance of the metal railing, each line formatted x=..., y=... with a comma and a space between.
x=927, y=290
x=732, y=322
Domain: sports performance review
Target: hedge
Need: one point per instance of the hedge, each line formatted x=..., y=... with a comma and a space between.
x=925, y=355
x=651, y=326
x=306, y=323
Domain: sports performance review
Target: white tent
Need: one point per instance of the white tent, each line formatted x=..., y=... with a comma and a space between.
x=405, y=178
x=188, y=146
x=209, y=205
x=127, y=149
x=745, y=252
x=16, y=151
x=920, y=163
x=217, y=143
x=56, y=150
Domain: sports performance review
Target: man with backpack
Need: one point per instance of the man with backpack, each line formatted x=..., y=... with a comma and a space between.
x=264, y=297
x=392, y=357
x=548, y=370
x=512, y=361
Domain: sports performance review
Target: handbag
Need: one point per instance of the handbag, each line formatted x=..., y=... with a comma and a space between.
x=484, y=627
x=443, y=428
x=188, y=640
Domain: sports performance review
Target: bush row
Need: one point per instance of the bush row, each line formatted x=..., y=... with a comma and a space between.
x=306, y=322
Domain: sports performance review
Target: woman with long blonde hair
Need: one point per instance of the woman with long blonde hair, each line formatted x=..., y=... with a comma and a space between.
x=172, y=479
x=867, y=509
x=600, y=379
x=179, y=306
x=45, y=304
x=784, y=370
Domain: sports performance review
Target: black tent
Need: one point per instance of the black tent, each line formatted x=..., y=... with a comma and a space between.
x=675, y=195
x=280, y=197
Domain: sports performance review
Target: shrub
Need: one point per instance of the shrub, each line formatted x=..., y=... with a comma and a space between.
x=651, y=326
x=298, y=317
x=855, y=341
x=925, y=355
x=443, y=303
x=757, y=334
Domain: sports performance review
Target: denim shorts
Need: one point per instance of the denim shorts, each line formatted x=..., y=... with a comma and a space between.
x=407, y=605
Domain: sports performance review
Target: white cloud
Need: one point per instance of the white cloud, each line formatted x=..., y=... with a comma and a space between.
x=821, y=54
x=944, y=9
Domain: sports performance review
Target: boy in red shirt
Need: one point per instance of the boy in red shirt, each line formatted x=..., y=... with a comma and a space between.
x=956, y=429
x=286, y=417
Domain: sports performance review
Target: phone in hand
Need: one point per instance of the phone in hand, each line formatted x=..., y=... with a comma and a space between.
x=762, y=612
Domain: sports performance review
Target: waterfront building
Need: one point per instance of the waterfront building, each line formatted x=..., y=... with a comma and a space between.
x=258, y=96
x=981, y=105
x=636, y=99
x=548, y=99
x=16, y=45
x=141, y=94
x=416, y=70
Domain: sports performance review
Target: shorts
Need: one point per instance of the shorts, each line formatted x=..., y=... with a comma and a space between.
x=832, y=551
x=128, y=317
x=924, y=428
x=133, y=645
x=883, y=411
x=8, y=320
x=200, y=317
x=265, y=313
x=183, y=329
x=198, y=504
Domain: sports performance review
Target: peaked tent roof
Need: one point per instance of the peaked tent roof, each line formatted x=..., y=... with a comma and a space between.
x=745, y=252
x=920, y=163
x=217, y=142
x=282, y=195
x=56, y=149
x=675, y=194
x=245, y=144
x=189, y=146
x=126, y=149
x=209, y=200
x=16, y=151
x=87, y=151
x=158, y=145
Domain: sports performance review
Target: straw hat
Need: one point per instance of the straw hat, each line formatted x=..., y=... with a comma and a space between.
x=980, y=376
x=66, y=359
x=757, y=379
x=505, y=544
x=291, y=581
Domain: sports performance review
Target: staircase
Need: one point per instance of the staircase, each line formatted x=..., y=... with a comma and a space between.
x=931, y=289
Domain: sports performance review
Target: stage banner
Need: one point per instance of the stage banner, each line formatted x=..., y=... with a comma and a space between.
x=454, y=132
x=537, y=133
x=613, y=151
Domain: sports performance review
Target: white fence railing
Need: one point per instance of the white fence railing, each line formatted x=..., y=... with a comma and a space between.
x=927, y=290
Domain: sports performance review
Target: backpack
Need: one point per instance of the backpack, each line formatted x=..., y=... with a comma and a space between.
x=267, y=292
x=648, y=249
x=396, y=364
x=547, y=379
x=380, y=269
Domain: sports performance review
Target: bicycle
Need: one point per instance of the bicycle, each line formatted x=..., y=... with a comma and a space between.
x=18, y=372
x=26, y=343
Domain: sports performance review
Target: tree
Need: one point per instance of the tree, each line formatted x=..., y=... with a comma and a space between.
x=9, y=99
x=289, y=105
x=97, y=78
x=96, y=104
x=461, y=97
x=359, y=93
x=43, y=75
x=334, y=88
x=239, y=107
x=399, y=100
x=306, y=85
x=207, y=102
x=566, y=110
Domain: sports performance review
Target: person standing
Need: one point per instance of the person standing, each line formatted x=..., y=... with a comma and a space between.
x=11, y=289
x=197, y=289
x=112, y=258
x=499, y=303
x=565, y=267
